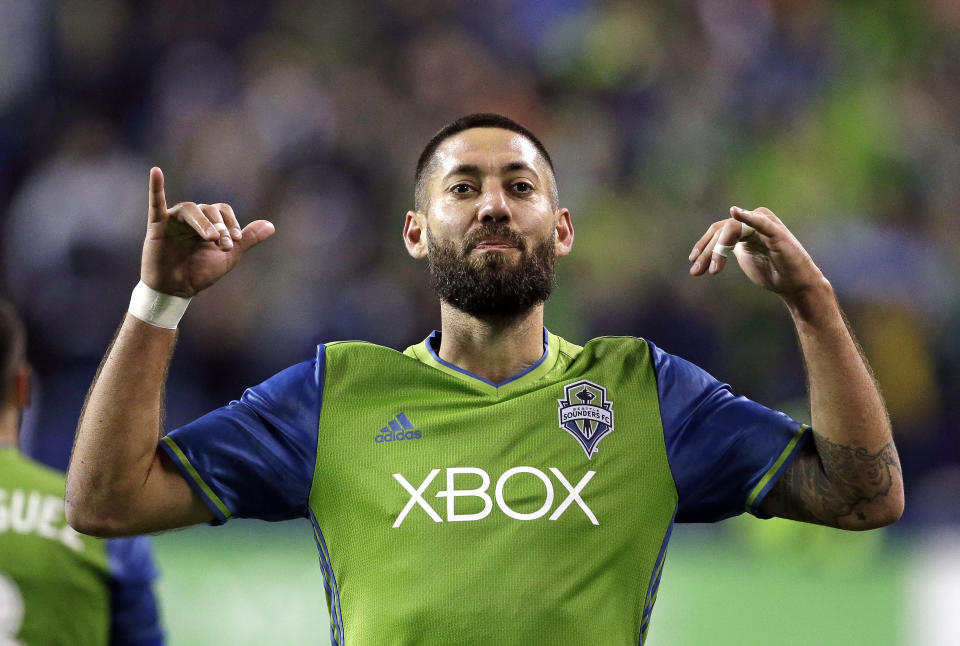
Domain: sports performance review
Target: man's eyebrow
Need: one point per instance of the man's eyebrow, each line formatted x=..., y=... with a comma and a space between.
x=473, y=169
x=518, y=165
x=464, y=169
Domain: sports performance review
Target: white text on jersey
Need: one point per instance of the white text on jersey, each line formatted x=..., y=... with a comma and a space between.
x=36, y=513
x=451, y=493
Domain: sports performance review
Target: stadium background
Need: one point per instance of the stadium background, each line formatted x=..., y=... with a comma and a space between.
x=841, y=117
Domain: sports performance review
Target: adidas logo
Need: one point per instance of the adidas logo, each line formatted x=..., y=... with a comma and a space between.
x=398, y=429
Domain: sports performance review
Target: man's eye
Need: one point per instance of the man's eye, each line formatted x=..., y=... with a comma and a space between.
x=523, y=187
x=461, y=188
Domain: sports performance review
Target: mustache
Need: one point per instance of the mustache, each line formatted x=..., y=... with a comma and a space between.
x=500, y=230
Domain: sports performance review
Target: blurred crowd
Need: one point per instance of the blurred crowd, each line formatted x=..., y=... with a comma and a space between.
x=840, y=117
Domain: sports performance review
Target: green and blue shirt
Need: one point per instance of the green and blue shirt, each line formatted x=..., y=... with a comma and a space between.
x=448, y=509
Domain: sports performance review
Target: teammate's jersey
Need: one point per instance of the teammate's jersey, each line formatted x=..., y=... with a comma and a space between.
x=451, y=510
x=58, y=587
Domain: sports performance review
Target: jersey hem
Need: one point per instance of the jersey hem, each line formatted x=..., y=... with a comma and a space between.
x=190, y=474
x=773, y=474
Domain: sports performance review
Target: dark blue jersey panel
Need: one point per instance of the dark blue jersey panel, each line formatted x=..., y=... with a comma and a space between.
x=134, y=619
x=719, y=445
x=258, y=454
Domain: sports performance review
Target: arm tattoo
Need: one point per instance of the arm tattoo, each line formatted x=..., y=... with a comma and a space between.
x=835, y=484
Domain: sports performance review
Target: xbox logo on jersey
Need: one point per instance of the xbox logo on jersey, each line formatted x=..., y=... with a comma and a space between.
x=451, y=493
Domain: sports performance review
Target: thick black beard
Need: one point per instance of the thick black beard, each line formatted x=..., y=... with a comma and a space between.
x=487, y=285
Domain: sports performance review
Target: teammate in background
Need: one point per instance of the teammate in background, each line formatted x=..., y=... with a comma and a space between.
x=58, y=587
x=531, y=498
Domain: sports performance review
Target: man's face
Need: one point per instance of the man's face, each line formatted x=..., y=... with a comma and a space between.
x=492, y=229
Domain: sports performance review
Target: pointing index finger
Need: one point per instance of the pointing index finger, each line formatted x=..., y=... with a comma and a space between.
x=158, y=200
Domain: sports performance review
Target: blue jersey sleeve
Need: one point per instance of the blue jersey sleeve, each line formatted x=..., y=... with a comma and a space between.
x=255, y=458
x=134, y=618
x=725, y=451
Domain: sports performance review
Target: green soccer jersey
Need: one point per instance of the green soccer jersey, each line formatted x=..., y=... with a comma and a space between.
x=54, y=582
x=451, y=510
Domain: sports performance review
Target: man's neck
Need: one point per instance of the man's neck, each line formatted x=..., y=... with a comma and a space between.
x=493, y=349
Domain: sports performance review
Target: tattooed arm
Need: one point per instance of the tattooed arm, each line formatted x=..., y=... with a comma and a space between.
x=849, y=476
x=850, y=488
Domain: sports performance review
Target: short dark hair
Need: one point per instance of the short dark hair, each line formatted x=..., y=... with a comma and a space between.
x=477, y=120
x=12, y=345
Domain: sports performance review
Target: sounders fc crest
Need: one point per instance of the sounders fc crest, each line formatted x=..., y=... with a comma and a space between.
x=586, y=414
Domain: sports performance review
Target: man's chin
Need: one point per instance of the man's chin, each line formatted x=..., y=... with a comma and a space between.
x=492, y=280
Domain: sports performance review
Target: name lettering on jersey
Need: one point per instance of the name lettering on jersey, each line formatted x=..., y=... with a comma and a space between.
x=32, y=512
x=452, y=493
x=399, y=428
x=586, y=414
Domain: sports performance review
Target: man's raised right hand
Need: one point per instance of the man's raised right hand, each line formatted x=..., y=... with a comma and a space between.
x=191, y=246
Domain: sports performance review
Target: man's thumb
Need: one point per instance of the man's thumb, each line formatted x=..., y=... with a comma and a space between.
x=255, y=233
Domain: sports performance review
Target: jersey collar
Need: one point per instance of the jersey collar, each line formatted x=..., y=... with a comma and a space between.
x=427, y=353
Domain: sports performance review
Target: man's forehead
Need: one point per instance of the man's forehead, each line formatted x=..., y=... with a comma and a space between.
x=487, y=147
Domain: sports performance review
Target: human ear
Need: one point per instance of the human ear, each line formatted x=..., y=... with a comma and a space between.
x=414, y=237
x=563, y=242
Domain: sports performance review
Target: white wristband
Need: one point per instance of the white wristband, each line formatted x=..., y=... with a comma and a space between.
x=156, y=308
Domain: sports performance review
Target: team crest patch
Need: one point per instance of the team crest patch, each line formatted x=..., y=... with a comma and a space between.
x=586, y=414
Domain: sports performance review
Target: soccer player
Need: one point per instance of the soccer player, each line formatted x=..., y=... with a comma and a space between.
x=58, y=587
x=494, y=483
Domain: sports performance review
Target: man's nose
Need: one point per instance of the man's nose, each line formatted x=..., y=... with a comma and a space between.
x=493, y=206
